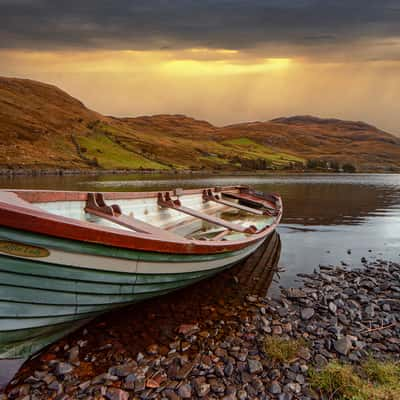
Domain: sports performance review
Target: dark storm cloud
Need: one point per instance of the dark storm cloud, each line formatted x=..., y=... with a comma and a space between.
x=151, y=24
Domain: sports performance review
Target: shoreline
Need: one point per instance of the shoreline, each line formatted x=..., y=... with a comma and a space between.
x=28, y=172
x=224, y=338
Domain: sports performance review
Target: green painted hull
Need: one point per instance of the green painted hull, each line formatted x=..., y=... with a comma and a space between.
x=41, y=300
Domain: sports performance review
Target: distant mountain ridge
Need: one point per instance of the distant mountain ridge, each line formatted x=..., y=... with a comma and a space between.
x=42, y=126
x=309, y=119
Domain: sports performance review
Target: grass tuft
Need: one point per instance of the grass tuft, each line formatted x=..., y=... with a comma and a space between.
x=373, y=380
x=281, y=350
x=384, y=373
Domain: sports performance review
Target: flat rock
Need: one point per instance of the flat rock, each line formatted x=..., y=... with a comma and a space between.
x=63, y=368
x=73, y=354
x=332, y=308
x=122, y=370
x=343, y=345
x=183, y=372
x=255, y=367
x=185, y=391
x=275, y=388
x=116, y=394
x=307, y=313
x=202, y=389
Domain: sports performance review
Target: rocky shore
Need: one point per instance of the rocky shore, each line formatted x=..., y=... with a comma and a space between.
x=243, y=346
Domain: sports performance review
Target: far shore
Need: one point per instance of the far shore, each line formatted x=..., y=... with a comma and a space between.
x=15, y=172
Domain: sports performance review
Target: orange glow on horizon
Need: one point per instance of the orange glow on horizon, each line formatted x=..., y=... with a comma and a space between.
x=220, y=85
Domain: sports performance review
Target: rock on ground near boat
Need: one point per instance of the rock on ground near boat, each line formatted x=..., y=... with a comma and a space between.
x=337, y=314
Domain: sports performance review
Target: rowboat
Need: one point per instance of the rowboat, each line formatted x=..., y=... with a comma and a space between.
x=67, y=257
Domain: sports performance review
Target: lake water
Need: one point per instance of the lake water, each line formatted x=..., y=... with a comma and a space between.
x=328, y=219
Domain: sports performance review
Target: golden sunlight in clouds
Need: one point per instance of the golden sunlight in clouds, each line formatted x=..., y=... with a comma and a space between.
x=223, y=67
x=220, y=85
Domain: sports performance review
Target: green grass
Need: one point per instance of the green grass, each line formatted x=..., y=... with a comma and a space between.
x=384, y=373
x=240, y=142
x=247, y=148
x=281, y=350
x=114, y=148
x=372, y=380
x=110, y=155
x=214, y=160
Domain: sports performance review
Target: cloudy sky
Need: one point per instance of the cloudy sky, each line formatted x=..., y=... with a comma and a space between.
x=225, y=61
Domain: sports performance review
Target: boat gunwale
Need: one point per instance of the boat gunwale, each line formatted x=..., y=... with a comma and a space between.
x=32, y=219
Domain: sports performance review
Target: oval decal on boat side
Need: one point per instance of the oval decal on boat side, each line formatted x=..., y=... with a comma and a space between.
x=22, y=250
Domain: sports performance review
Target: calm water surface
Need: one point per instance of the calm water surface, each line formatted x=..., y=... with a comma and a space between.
x=328, y=219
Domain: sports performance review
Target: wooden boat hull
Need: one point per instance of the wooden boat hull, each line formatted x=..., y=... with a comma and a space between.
x=41, y=301
x=51, y=284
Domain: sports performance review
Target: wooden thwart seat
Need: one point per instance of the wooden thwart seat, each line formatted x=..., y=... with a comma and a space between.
x=96, y=205
x=251, y=199
x=208, y=195
x=222, y=235
x=165, y=200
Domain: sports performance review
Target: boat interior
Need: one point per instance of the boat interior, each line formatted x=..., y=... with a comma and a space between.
x=212, y=214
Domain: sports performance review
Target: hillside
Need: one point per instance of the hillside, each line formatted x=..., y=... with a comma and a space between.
x=42, y=127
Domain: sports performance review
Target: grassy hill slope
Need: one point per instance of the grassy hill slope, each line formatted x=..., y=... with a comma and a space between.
x=43, y=127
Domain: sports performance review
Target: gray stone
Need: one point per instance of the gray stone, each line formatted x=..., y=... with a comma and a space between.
x=283, y=311
x=307, y=313
x=73, y=355
x=140, y=385
x=55, y=386
x=353, y=356
x=275, y=388
x=320, y=361
x=104, y=378
x=251, y=299
x=116, y=394
x=122, y=370
x=63, y=368
x=304, y=353
x=332, y=308
x=217, y=386
x=202, y=389
x=255, y=367
x=185, y=391
x=84, y=385
x=228, y=370
x=293, y=387
x=300, y=379
x=343, y=345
